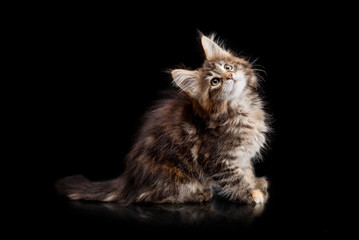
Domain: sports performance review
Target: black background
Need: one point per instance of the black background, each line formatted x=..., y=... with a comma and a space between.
x=103, y=67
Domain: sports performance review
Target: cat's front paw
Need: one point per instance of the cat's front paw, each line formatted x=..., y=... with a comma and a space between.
x=255, y=196
x=258, y=196
x=262, y=184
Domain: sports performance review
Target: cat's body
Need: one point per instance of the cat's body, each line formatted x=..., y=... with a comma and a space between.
x=193, y=143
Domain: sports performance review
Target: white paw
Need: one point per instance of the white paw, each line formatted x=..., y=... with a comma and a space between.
x=257, y=196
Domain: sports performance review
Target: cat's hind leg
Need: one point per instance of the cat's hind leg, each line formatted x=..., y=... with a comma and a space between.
x=199, y=193
x=194, y=192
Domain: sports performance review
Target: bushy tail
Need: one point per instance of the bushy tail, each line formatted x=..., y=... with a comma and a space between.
x=80, y=188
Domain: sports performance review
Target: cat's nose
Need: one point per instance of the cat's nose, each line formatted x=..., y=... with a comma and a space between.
x=229, y=76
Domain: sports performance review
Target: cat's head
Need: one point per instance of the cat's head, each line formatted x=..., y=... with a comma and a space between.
x=222, y=78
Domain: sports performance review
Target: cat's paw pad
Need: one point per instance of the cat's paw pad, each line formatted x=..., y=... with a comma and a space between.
x=257, y=196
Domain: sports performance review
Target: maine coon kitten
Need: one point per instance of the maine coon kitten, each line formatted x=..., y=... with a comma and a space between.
x=198, y=141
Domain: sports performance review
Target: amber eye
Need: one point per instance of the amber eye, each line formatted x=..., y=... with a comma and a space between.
x=228, y=67
x=215, y=81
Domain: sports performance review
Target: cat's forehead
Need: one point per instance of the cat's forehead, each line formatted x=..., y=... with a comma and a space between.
x=213, y=65
x=219, y=63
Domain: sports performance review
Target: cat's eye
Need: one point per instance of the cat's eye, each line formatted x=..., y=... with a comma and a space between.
x=215, y=81
x=228, y=67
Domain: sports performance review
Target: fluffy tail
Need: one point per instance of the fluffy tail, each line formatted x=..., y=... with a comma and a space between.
x=80, y=188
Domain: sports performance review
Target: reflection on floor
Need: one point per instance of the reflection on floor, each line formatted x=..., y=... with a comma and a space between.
x=217, y=212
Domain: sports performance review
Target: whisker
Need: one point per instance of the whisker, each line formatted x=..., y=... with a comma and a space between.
x=260, y=70
x=254, y=61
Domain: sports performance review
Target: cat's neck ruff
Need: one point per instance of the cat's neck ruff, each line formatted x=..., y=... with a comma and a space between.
x=238, y=106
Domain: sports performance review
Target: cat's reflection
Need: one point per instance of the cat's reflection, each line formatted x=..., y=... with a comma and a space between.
x=217, y=211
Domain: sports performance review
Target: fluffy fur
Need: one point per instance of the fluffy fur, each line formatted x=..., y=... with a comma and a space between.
x=196, y=142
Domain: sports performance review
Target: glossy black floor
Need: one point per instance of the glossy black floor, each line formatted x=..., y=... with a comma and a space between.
x=217, y=217
x=103, y=71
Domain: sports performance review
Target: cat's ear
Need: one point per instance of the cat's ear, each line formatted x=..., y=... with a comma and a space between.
x=212, y=50
x=187, y=80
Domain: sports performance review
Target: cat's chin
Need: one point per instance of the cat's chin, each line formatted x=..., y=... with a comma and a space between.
x=235, y=90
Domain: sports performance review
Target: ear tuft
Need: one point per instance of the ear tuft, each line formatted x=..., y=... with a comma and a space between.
x=211, y=49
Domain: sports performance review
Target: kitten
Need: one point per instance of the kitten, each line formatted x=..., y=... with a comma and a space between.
x=198, y=141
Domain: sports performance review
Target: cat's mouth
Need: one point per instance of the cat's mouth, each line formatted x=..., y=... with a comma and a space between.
x=234, y=78
x=233, y=81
